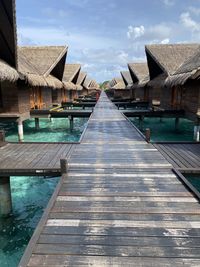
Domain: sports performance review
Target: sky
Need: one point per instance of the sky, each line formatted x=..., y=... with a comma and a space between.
x=104, y=35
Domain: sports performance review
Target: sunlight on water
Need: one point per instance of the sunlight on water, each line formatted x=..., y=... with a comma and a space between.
x=164, y=130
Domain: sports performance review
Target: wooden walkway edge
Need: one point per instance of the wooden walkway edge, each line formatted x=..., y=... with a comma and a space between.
x=120, y=204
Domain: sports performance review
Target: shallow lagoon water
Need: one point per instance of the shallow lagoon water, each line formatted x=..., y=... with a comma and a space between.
x=30, y=195
x=56, y=130
x=194, y=179
x=164, y=130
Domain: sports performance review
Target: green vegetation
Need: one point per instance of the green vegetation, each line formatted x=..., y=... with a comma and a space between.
x=104, y=85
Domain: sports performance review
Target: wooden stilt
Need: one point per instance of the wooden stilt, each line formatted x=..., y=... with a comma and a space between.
x=5, y=197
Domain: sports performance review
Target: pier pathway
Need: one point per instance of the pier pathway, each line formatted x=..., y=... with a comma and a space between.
x=119, y=205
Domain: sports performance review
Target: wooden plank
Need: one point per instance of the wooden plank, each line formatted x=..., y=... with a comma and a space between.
x=72, y=260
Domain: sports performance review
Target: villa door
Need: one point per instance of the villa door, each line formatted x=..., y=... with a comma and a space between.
x=36, y=98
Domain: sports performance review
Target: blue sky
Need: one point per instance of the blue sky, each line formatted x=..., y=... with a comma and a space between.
x=103, y=35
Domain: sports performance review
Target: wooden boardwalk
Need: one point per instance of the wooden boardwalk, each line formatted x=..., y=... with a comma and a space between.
x=184, y=157
x=32, y=158
x=119, y=205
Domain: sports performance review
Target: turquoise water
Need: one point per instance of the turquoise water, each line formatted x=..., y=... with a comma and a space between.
x=55, y=131
x=30, y=196
x=164, y=130
x=194, y=180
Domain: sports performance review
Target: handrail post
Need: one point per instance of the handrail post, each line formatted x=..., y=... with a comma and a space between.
x=63, y=166
x=148, y=135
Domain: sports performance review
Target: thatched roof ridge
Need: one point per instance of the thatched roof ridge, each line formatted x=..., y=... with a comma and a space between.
x=70, y=72
x=81, y=78
x=139, y=72
x=167, y=58
x=126, y=76
x=8, y=73
x=43, y=58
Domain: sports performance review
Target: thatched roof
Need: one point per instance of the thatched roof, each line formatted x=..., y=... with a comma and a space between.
x=126, y=76
x=43, y=59
x=86, y=83
x=81, y=78
x=190, y=69
x=139, y=72
x=167, y=58
x=93, y=85
x=7, y=72
x=71, y=72
x=158, y=81
x=79, y=87
x=117, y=83
x=69, y=86
x=54, y=82
x=42, y=66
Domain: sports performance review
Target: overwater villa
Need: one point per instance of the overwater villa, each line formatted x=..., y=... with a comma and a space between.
x=183, y=89
x=140, y=76
x=93, y=88
x=163, y=61
x=44, y=73
x=118, y=89
x=70, y=78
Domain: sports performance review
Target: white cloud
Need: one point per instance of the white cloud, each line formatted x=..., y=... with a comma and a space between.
x=135, y=32
x=156, y=33
x=189, y=23
x=194, y=10
x=169, y=2
x=165, y=41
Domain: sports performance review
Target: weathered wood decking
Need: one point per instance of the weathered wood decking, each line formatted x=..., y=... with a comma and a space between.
x=119, y=205
x=184, y=157
x=32, y=158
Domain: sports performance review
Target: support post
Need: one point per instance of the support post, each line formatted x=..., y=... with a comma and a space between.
x=63, y=166
x=197, y=133
x=71, y=122
x=2, y=136
x=141, y=119
x=5, y=197
x=177, y=124
x=20, y=130
x=37, y=123
x=148, y=135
